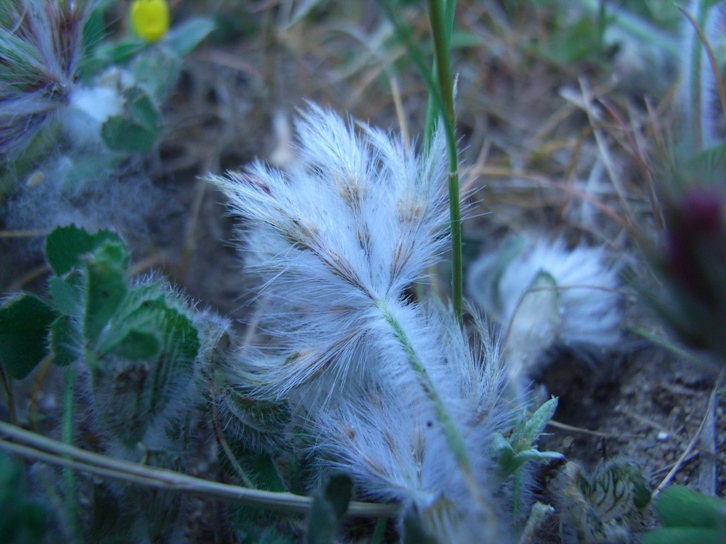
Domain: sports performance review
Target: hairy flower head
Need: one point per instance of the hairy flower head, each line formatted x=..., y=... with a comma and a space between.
x=354, y=223
x=40, y=49
x=387, y=388
x=544, y=293
x=585, y=286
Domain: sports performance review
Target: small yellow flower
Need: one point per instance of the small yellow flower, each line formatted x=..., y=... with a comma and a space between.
x=150, y=19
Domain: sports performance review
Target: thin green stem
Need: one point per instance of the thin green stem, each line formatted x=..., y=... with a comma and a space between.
x=67, y=438
x=435, y=94
x=441, y=20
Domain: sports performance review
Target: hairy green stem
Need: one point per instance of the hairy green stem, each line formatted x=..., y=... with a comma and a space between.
x=451, y=434
x=227, y=450
x=453, y=438
x=69, y=479
x=516, y=493
x=441, y=19
x=7, y=385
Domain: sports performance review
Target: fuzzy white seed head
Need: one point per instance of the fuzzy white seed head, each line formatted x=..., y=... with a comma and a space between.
x=355, y=221
x=389, y=439
x=388, y=389
x=544, y=293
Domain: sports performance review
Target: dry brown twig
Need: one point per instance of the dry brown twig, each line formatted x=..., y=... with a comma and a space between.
x=694, y=439
x=40, y=448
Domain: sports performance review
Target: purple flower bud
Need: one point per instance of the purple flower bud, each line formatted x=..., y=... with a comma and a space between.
x=695, y=228
x=702, y=210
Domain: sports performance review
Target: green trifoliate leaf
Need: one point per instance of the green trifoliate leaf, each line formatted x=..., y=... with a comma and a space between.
x=64, y=341
x=136, y=333
x=156, y=71
x=184, y=37
x=146, y=360
x=112, y=53
x=136, y=130
x=65, y=246
x=681, y=535
x=141, y=109
x=24, y=324
x=122, y=134
x=105, y=287
x=682, y=507
x=66, y=294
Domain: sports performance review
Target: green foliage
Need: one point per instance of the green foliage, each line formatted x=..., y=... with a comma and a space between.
x=330, y=503
x=94, y=31
x=258, y=424
x=24, y=323
x=413, y=532
x=186, y=36
x=105, y=287
x=154, y=69
x=571, y=42
x=512, y=453
x=689, y=516
x=23, y=521
x=139, y=345
x=259, y=527
x=65, y=246
x=137, y=75
x=520, y=447
x=117, y=53
x=91, y=288
x=136, y=130
x=136, y=339
x=63, y=341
